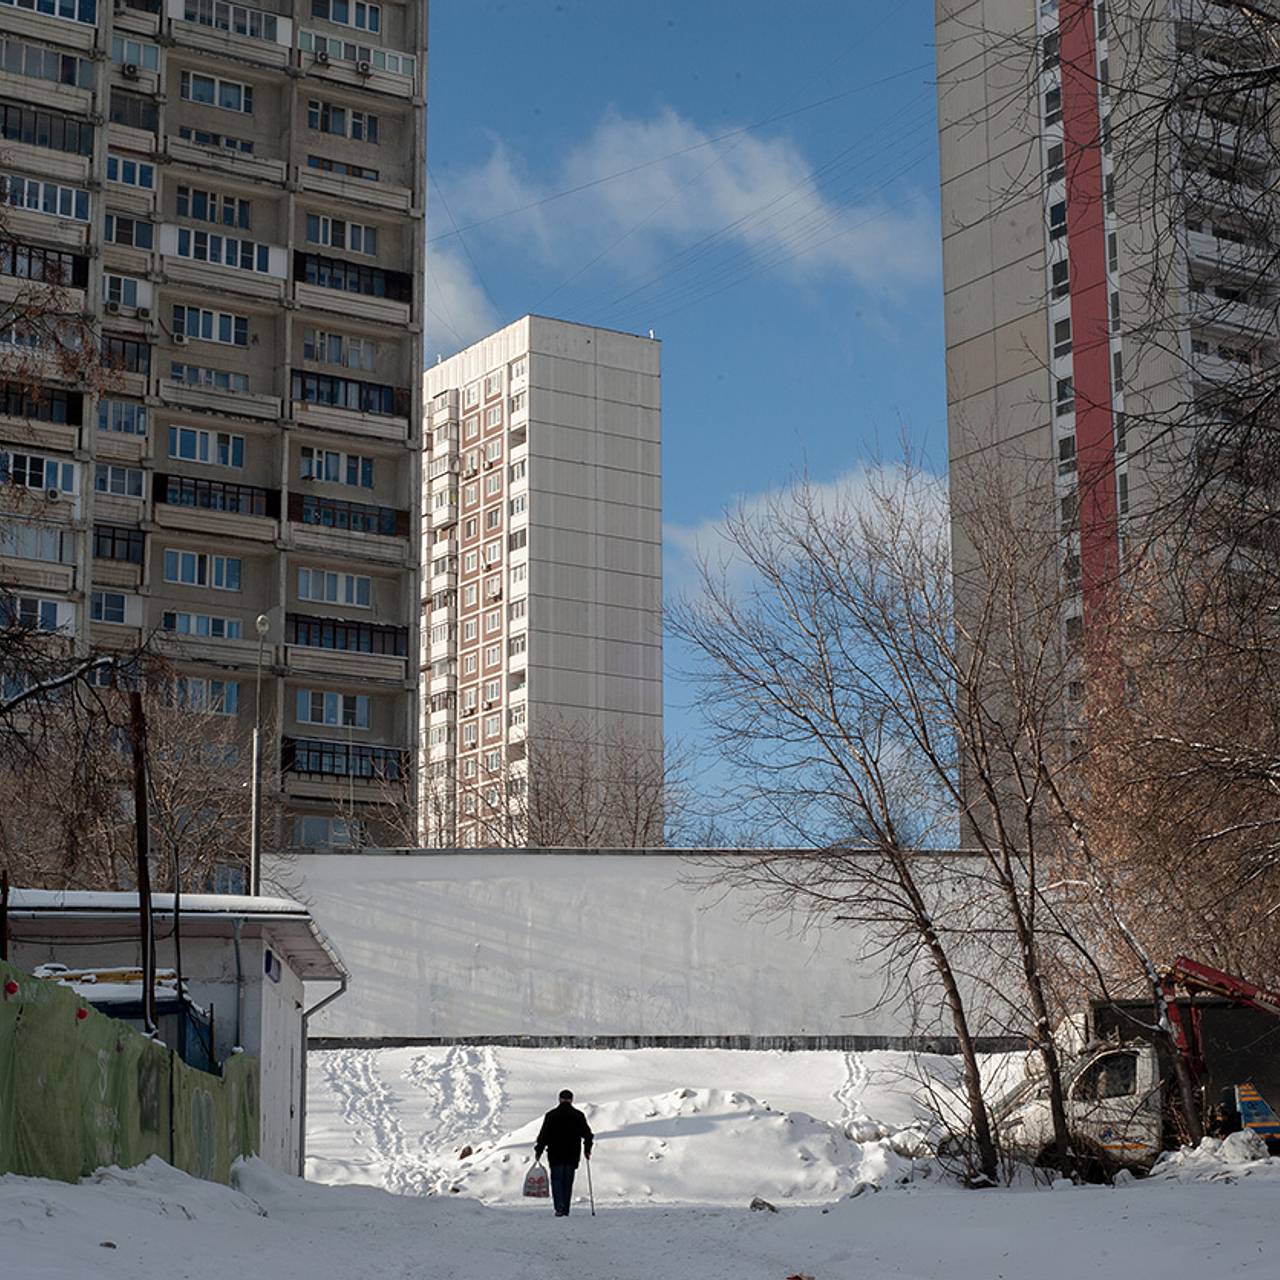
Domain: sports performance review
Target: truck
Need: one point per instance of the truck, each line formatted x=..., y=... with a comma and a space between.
x=1120, y=1083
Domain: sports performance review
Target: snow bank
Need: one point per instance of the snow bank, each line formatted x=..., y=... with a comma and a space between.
x=1239, y=1155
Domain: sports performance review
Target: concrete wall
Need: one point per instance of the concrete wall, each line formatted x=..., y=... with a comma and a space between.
x=456, y=945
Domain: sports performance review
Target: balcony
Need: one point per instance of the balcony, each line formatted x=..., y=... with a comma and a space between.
x=263, y=38
x=232, y=164
x=233, y=404
x=1221, y=248
x=243, y=510
x=1228, y=313
x=328, y=402
x=382, y=196
x=353, y=289
x=317, y=757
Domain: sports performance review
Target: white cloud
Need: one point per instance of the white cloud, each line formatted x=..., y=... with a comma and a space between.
x=458, y=309
x=726, y=208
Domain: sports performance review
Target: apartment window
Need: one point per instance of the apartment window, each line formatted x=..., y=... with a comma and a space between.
x=1102, y=20
x=335, y=588
x=328, y=117
x=212, y=91
x=1117, y=371
x=313, y=832
x=493, y=415
x=517, y=369
x=219, y=448
x=493, y=621
x=41, y=404
x=1066, y=453
x=492, y=728
x=470, y=562
x=517, y=644
x=1121, y=434
x=45, y=197
x=218, y=141
x=238, y=19
x=30, y=540
x=470, y=594
x=196, y=569
x=379, y=59
x=107, y=606
x=518, y=539
x=85, y=11
x=492, y=451
x=123, y=482
x=1075, y=629
x=341, y=710
x=470, y=494
x=47, y=266
x=470, y=428
x=492, y=655
x=492, y=518
x=133, y=233
x=202, y=624
x=519, y=573
x=1069, y=509
x=196, y=693
x=1053, y=106
x=49, y=129
x=518, y=470
x=470, y=527
x=349, y=13
x=517, y=402
x=1062, y=337
x=122, y=290
x=517, y=715
x=1115, y=312
x=1122, y=493
x=353, y=637
x=519, y=608
x=492, y=484
x=127, y=417
x=343, y=168
x=1109, y=192
x=134, y=110
x=197, y=375
x=471, y=396
x=1113, y=253
x=211, y=206
x=1065, y=397
x=36, y=62
x=469, y=736
x=493, y=586
x=32, y=613
x=352, y=277
x=1058, y=220
x=337, y=233
x=469, y=664
x=1056, y=167
x=349, y=393
x=130, y=173
x=118, y=542
x=223, y=251
x=35, y=471
x=492, y=552
x=1051, y=50
x=335, y=467
x=211, y=326
x=338, y=349
x=519, y=504
x=137, y=53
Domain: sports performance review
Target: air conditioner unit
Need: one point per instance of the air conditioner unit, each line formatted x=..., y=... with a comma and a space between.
x=365, y=68
x=179, y=339
x=130, y=70
x=144, y=313
x=53, y=495
x=322, y=57
x=112, y=308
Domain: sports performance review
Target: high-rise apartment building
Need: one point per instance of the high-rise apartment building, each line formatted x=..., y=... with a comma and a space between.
x=541, y=568
x=234, y=195
x=1107, y=256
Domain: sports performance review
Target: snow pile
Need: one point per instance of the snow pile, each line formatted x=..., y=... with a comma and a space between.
x=1239, y=1155
x=706, y=1146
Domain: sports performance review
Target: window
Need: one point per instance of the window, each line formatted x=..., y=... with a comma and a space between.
x=30, y=540
x=125, y=354
x=1121, y=434
x=470, y=594
x=470, y=494
x=517, y=644
x=85, y=11
x=358, y=517
x=133, y=233
x=313, y=832
x=341, y=710
x=123, y=482
x=49, y=129
x=1113, y=252
x=211, y=206
x=130, y=173
x=519, y=504
x=469, y=664
x=470, y=561
x=492, y=552
x=107, y=606
x=343, y=168
x=35, y=613
x=223, y=251
x=1115, y=312
x=379, y=59
x=196, y=569
x=1117, y=371
x=1122, y=493
x=470, y=428
x=219, y=141
x=352, y=277
x=519, y=608
x=37, y=62
x=127, y=417
x=518, y=470
x=219, y=448
x=492, y=518
x=1055, y=168
x=211, y=326
x=492, y=728
x=469, y=736
x=1114, y=1075
x=470, y=528
x=471, y=396
x=517, y=369
x=238, y=19
x=336, y=348
x=519, y=573
x=1066, y=453
x=1065, y=397
x=349, y=393
x=492, y=655
x=45, y=197
x=202, y=624
x=349, y=13
x=196, y=693
x=335, y=588
x=492, y=484
x=493, y=415
x=1109, y=192
x=118, y=542
x=47, y=266
x=122, y=290
x=518, y=539
x=1060, y=275
x=134, y=110
x=41, y=404
x=493, y=620
x=328, y=117
x=1052, y=106
x=469, y=629
x=35, y=471
x=196, y=375
x=337, y=233
x=492, y=450
x=336, y=467
x=1058, y=220
x=354, y=637
x=1051, y=50
x=517, y=402
x=1062, y=337
x=212, y=91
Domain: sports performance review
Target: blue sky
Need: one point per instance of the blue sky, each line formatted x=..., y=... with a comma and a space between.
x=778, y=226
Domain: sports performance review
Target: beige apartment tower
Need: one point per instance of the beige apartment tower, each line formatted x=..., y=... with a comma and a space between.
x=234, y=193
x=542, y=569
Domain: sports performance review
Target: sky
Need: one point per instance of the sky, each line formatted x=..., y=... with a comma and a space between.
x=761, y=193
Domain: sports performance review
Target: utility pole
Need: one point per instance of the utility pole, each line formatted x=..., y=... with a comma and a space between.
x=142, y=841
x=262, y=625
x=4, y=914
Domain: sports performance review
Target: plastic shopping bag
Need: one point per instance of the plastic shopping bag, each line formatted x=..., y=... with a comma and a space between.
x=536, y=1184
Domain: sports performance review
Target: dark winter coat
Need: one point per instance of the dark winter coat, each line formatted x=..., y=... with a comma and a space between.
x=563, y=1136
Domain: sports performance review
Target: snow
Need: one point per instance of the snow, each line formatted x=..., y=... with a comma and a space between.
x=109, y=986
x=1239, y=1155
x=91, y=900
x=154, y=1223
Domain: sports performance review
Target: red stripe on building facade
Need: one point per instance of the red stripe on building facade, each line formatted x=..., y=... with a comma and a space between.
x=1091, y=348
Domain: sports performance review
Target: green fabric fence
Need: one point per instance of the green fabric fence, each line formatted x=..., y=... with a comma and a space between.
x=79, y=1090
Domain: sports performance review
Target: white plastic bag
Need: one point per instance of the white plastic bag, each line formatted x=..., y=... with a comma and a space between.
x=537, y=1186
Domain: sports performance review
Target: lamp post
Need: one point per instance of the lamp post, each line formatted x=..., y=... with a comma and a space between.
x=262, y=624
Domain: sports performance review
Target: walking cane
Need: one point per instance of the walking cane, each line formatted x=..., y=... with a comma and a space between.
x=590, y=1189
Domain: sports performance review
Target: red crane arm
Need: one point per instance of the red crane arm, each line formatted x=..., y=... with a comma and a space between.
x=1195, y=976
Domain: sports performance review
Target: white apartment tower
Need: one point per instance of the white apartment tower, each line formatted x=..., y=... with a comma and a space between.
x=234, y=195
x=541, y=565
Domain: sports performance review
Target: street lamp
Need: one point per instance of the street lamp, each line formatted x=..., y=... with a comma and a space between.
x=262, y=624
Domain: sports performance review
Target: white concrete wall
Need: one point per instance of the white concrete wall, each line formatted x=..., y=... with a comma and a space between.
x=456, y=945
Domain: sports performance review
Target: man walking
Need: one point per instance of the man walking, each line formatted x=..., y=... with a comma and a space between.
x=565, y=1136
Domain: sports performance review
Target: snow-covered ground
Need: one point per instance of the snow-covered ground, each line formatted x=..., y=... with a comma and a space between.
x=153, y=1223
x=682, y=1126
